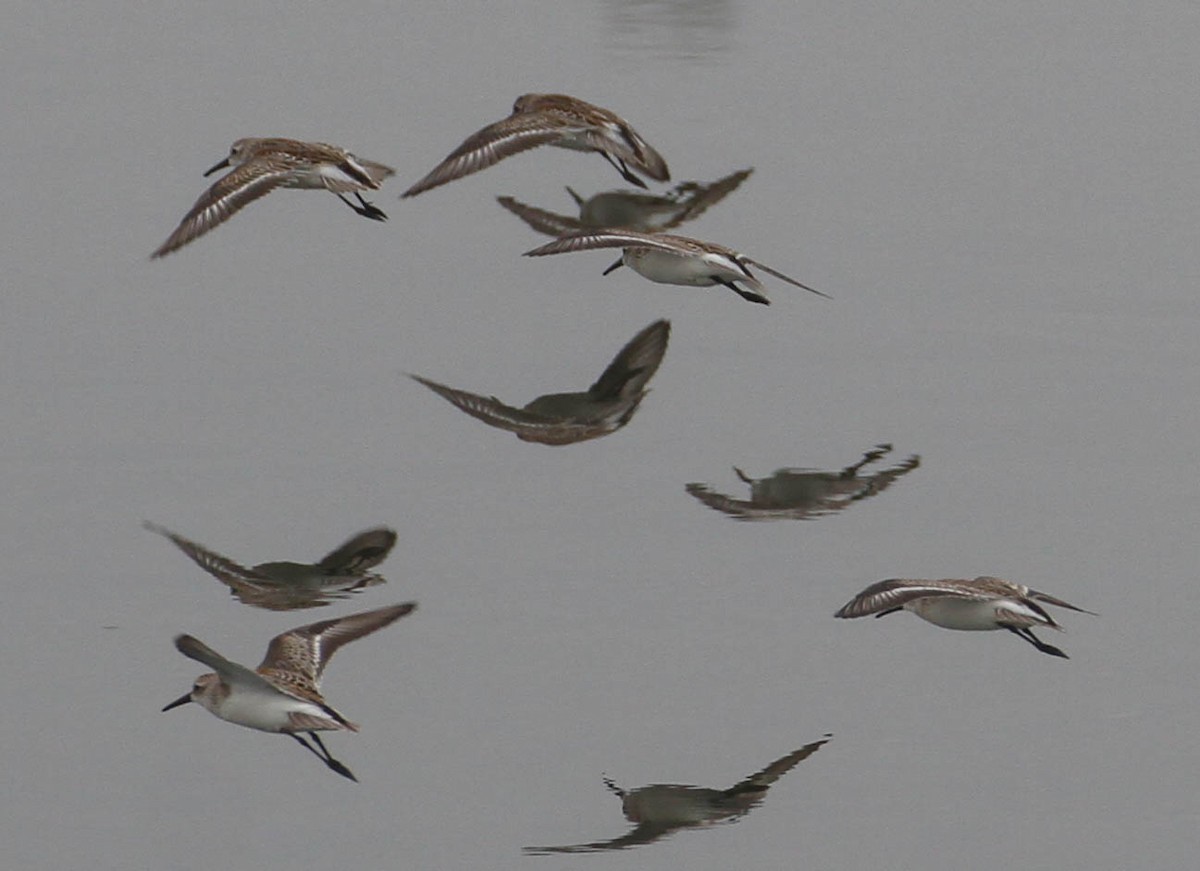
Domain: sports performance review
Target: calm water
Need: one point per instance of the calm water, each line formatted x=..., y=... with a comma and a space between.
x=1002, y=202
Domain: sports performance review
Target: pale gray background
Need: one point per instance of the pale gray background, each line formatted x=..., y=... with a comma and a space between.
x=1002, y=198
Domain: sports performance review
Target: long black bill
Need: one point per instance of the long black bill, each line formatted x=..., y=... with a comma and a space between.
x=224, y=163
x=615, y=266
x=182, y=700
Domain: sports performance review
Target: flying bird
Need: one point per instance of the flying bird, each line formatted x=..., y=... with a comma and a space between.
x=668, y=259
x=283, y=693
x=551, y=119
x=985, y=603
x=262, y=165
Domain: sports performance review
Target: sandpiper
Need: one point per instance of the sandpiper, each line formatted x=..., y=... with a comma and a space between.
x=982, y=604
x=668, y=259
x=566, y=418
x=284, y=585
x=261, y=165
x=662, y=808
x=551, y=119
x=283, y=693
x=634, y=210
x=802, y=494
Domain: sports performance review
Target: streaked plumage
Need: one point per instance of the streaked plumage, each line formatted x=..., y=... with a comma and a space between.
x=566, y=418
x=262, y=165
x=662, y=808
x=551, y=119
x=282, y=585
x=629, y=209
x=668, y=259
x=982, y=604
x=283, y=693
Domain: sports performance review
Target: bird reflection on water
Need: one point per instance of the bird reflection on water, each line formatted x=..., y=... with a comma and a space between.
x=289, y=586
x=634, y=210
x=568, y=418
x=663, y=808
x=800, y=494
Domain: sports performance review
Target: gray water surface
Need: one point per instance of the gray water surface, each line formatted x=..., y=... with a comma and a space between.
x=1002, y=201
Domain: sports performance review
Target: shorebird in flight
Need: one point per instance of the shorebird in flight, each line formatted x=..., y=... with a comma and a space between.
x=984, y=603
x=262, y=165
x=283, y=694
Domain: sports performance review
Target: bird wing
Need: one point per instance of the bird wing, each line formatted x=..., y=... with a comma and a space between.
x=489, y=146
x=634, y=365
x=230, y=672
x=695, y=199
x=761, y=780
x=612, y=238
x=1051, y=600
x=228, y=195
x=720, y=502
x=895, y=592
x=550, y=223
x=364, y=551
x=491, y=410
x=782, y=277
x=225, y=570
x=306, y=650
x=643, y=833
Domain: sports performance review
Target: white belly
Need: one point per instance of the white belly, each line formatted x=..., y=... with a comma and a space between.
x=666, y=268
x=951, y=613
x=267, y=712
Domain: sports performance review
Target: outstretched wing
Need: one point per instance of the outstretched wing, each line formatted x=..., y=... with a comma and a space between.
x=491, y=410
x=364, y=551
x=306, y=650
x=225, y=570
x=761, y=780
x=228, y=195
x=614, y=238
x=635, y=364
x=643, y=833
x=489, y=146
x=695, y=199
x=550, y=223
x=230, y=672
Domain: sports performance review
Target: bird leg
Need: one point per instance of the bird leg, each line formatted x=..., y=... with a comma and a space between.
x=367, y=210
x=745, y=294
x=619, y=166
x=1023, y=632
x=332, y=763
x=613, y=788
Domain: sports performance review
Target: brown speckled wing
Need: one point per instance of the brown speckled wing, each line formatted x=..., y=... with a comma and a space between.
x=299, y=656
